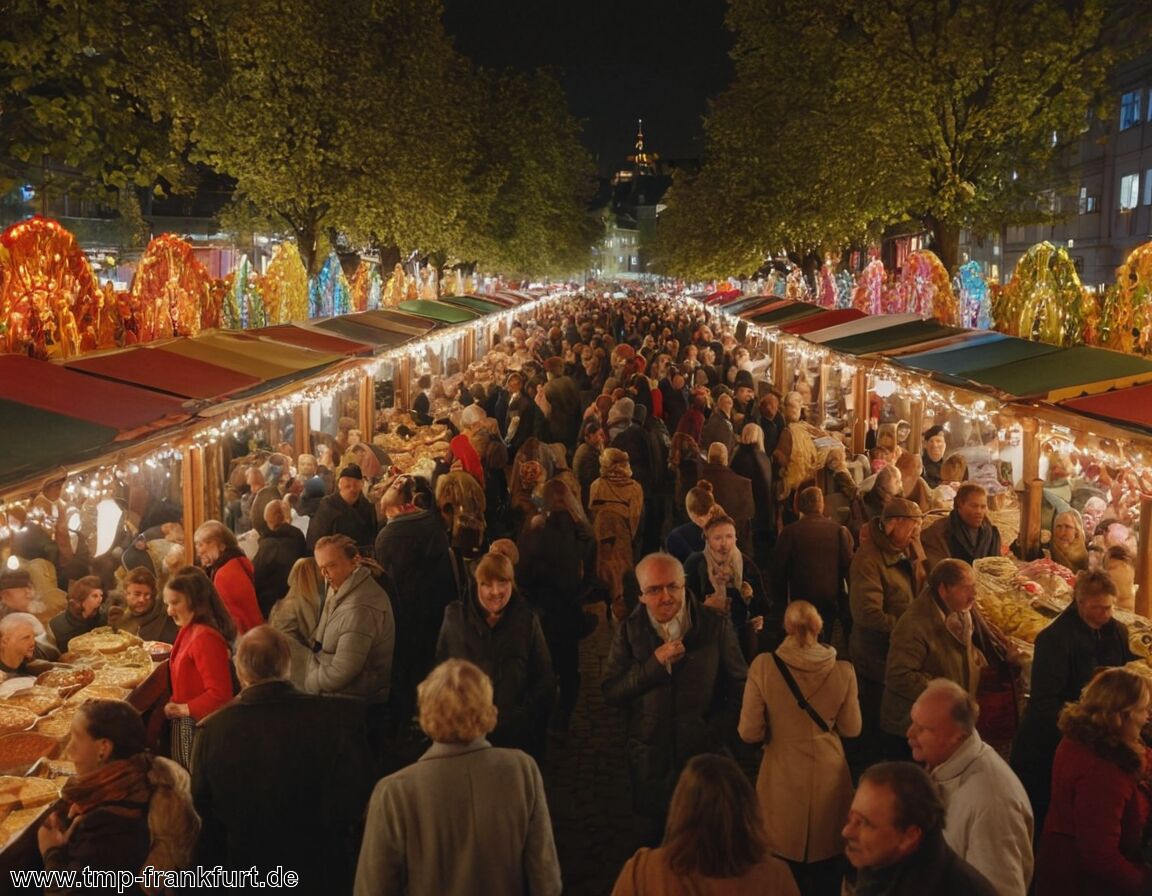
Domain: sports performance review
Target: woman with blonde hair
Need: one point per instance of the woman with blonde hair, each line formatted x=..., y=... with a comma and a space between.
x=798, y=702
x=420, y=836
x=1069, y=547
x=616, y=503
x=750, y=461
x=714, y=841
x=1094, y=831
x=298, y=612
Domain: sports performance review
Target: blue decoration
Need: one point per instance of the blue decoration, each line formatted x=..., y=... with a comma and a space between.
x=328, y=294
x=845, y=284
x=972, y=290
x=375, y=288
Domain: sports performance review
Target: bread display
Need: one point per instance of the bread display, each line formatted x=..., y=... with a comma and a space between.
x=103, y=640
x=18, y=752
x=40, y=700
x=126, y=677
x=66, y=678
x=26, y=793
x=16, y=718
x=98, y=692
x=58, y=724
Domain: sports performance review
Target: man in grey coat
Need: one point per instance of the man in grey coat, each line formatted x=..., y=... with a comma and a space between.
x=356, y=634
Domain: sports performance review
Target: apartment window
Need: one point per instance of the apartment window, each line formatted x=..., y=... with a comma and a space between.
x=1087, y=203
x=1148, y=187
x=1129, y=192
x=1130, y=109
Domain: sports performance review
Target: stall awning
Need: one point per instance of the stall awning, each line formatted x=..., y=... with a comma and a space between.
x=250, y=355
x=471, y=303
x=865, y=324
x=750, y=304
x=363, y=332
x=1128, y=407
x=50, y=387
x=307, y=337
x=822, y=321
x=503, y=301
x=163, y=371
x=395, y=320
x=1066, y=373
x=438, y=311
x=898, y=336
x=968, y=358
x=784, y=314
x=724, y=295
x=36, y=440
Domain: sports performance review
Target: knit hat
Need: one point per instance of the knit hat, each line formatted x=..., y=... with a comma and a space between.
x=744, y=380
x=15, y=578
x=314, y=488
x=352, y=471
x=622, y=411
x=932, y=431
x=902, y=508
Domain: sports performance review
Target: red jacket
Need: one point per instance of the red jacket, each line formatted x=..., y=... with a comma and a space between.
x=1092, y=835
x=200, y=670
x=236, y=586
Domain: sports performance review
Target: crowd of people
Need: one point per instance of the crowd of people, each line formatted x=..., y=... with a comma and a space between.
x=762, y=598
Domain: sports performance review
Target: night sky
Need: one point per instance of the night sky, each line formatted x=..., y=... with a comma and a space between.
x=619, y=61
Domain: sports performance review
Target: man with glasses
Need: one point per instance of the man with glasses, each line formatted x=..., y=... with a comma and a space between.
x=676, y=670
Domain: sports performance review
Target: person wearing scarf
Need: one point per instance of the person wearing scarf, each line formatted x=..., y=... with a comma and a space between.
x=1069, y=548
x=231, y=572
x=126, y=809
x=966, y=533
x=729, y=582
x=616, y=504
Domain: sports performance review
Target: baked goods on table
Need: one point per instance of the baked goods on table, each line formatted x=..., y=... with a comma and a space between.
x=16, y=821
x=98, y=692
x=19, y=752
x=59, y=723
x=40, y=700
x=103, y=640
x=26, y=793
x=66, y=678
x=16, y=718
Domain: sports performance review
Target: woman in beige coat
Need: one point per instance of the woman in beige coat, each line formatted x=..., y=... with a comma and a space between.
x=804, y=785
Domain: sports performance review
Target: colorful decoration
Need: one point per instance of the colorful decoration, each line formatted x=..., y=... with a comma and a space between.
x=243, y=306
x=868, y=296
x=1045, y=300
x=49, y=298
x=972, y=291
x=924, y=289
x=826, y=294
x=1126, y=318
x=284, y=286
x=329, y=293
x=172, y=292
x=797, y=288
x=366, y=287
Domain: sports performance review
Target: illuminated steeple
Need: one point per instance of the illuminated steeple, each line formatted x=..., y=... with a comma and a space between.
x=643, y=162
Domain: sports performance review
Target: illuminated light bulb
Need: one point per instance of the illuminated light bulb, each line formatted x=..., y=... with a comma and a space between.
x=108, y=515
x=13, y=562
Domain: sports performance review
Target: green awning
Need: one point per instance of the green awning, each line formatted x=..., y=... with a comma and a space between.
x=395, y=320
x=38, y=441
x=471, y=303
x=967, y=359
x=1066, y=373
x=438, y=311
x=897, y=336
x=788, y=313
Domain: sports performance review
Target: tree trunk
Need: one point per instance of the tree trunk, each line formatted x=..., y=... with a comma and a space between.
x=946, y=244
x=306, y=240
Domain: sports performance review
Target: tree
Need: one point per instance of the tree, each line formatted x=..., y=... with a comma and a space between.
x=848, y=117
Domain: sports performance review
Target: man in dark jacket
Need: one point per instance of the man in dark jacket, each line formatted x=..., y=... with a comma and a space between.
x=281, y=777
x=966, y=533
x=347, y=512
x=564, y=406
x=895, y=838
x=733, y=492
x=140, y=610
x=810, y=562
x=1080, y=640
x=276, y=554
x=677, y=671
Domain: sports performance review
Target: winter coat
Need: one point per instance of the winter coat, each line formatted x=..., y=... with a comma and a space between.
x=753, y=464
x=586, y=466
x=153, y=625
x=464, y=818
x=276, y=554
x=989, y=821
x=514, y=655
x=200, y=669
x=718, y=428
x=566, y=410
x=643, y=455
x=66, y=625
x=804, y=786
x=335, y=516
x=357, y=635
x=684, y=541
x=235, y=583
x=734, y=493
x=921, y=649
x=803, y=567
x=882, y=583
x=648, y=873
x=273, y=734
x=939, y=541
x=1095, y=826
x=673, y=715
x=933, y=870
x=741, y=609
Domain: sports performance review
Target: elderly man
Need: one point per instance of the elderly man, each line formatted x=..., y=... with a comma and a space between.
x=885, y=576
x=677, y=671
x=20, y=652
x=718, y=427
x=138, y=609
x=347, y=512
x=732, y=491
x=895, y=838
x=966, y=533
x=281, y=545
x=932, y=455
x=989, y=820
x=1079, y=641
x=277, y=742
x=933, y=639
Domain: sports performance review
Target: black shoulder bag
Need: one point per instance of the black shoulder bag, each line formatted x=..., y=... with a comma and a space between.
x=801, y=701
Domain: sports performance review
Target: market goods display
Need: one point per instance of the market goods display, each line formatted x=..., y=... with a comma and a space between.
x=26, y=793
x=19, y=751
x=66, y=678
x=1011, y=601
x=16, y=821
x=40, y=700
x=58, y=724
x=16, y=718
x=127, y=677
x=103, y=640
x=99, y=692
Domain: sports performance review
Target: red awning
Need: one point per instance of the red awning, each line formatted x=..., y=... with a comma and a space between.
x=820, y=321
x=154, y=368
x=1130, y=407
x=51, y=387
x=316, y=340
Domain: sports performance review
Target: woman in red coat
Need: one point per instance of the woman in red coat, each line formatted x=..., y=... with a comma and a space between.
x=1100, y=793
x=231, y=572
x=200, y=666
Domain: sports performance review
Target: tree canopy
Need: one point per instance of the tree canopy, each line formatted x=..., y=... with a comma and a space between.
x=849, y=117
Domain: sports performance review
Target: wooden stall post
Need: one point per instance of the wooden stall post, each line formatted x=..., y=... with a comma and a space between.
x=301, y=429
x=917, y=423
x=367, y=401
x=468, y=352
x=193, y=497
x=822, y=407
x=1144, y=558
x=778, y=366
x=860, y=407
x=1030, y=519
x=402, y=384
x=1029, y=515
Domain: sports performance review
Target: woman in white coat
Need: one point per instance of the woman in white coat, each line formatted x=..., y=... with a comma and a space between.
x=804, y=786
